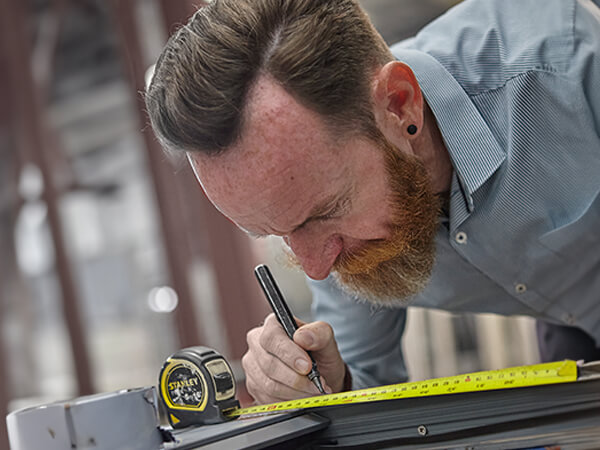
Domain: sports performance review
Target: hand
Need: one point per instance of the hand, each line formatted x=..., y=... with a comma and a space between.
x=276, y=367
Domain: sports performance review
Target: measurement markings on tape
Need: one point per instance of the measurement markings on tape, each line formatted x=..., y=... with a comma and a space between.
x=514, y=377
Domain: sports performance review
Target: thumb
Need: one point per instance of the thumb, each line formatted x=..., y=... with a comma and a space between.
x=318, y=338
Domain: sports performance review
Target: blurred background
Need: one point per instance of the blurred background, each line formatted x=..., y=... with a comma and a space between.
x=110, y=257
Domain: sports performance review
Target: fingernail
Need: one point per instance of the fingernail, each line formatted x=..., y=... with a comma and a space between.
x=308, y=338
x=302, y=365
x=327, y=389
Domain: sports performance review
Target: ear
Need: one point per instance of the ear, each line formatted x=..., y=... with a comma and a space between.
x=398, y=101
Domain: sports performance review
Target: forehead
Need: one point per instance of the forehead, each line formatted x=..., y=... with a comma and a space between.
x=278, y=130
x=285, y=157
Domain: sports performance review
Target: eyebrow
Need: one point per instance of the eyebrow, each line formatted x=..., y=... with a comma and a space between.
x=318, y=211
x=326, y=206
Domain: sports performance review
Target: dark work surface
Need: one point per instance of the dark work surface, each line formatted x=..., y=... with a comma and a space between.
x=562, y=414
x=253, y=433
x=566, y=415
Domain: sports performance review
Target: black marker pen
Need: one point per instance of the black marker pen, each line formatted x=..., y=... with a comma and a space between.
x=283, y=314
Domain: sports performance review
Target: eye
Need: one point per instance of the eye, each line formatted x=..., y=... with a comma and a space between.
x=330, y=215
x=340, y=208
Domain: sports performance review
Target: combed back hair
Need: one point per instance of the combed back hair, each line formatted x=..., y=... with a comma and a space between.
x=322, y=52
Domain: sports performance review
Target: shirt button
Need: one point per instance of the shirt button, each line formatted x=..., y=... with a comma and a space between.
x=569, y=319
x=461, y=237
x=520, y=288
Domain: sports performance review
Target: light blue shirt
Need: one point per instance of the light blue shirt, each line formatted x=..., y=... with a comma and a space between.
x=515, y=88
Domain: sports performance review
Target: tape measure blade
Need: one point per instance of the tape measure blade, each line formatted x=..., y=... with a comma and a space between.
x=515, y=377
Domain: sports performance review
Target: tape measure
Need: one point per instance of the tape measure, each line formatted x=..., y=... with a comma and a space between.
x=196, y=386
x=533, y=375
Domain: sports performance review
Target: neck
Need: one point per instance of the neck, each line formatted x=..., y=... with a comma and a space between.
x=432, y=151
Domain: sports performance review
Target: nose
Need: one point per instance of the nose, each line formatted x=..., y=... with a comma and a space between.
x=315, y=254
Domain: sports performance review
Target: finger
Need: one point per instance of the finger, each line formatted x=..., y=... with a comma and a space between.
x=273, y=368
x=318, y=336
x=277, y=393
x=265, y=389
x=276, y=342
x=272, y=319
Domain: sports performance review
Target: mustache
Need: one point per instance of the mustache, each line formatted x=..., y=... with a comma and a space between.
x=368, y=257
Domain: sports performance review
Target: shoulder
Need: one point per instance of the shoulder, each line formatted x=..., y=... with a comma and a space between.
x=483, y=43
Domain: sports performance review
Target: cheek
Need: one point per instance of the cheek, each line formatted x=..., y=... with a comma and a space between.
x=371, y=224
x=372, y=213
x=370, y=218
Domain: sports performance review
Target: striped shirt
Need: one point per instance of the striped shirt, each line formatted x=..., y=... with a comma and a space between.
x=515, y=88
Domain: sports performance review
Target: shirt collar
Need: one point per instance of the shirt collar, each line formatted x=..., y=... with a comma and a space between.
x=474, y=151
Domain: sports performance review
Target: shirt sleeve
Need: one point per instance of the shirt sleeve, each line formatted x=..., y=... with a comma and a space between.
x=368, y=337
x=585, y=64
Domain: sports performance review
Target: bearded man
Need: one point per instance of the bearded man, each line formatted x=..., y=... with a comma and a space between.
x=459, y=169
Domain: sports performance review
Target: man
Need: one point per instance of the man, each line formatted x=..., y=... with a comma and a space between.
x=460, y=170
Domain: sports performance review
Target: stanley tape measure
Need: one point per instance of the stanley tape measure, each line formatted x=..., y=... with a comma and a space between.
x=197, y=387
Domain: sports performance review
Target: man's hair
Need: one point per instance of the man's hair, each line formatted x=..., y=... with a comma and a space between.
x=322, y=52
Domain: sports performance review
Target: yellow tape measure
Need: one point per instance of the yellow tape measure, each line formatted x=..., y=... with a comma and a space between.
x=514, y=377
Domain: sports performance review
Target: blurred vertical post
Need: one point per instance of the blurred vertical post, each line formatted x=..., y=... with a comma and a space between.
x=228, y=250
x=241, y=302
x=4, y=373
x=168, y=200
x=8, y=198
x=4, y=262
x=33, y=143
